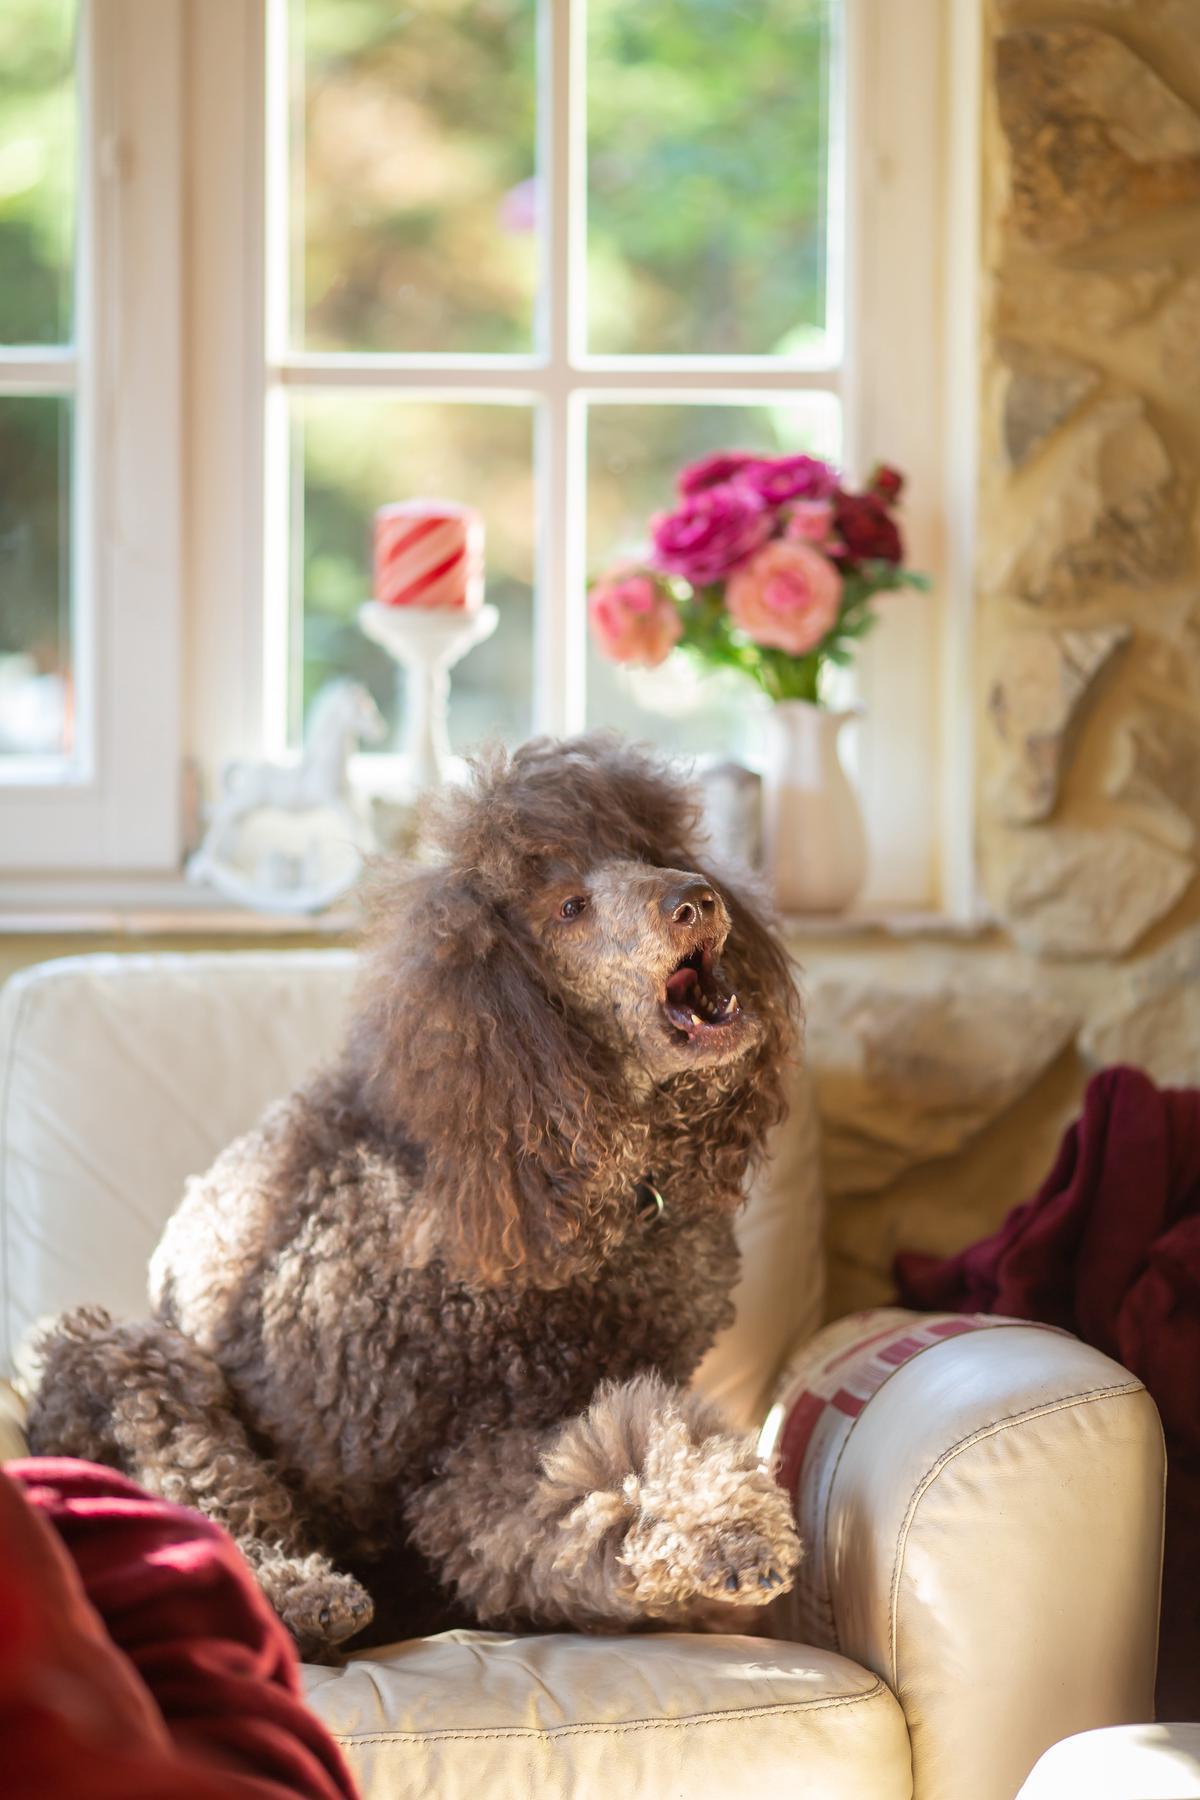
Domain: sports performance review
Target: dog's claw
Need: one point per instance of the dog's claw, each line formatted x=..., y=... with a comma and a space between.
x=732, y=1582
x=771, y=1578
x=325, y=1618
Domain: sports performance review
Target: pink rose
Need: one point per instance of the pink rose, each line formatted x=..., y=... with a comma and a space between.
x=780, y=478
x=786, y=597
x=632, y=619
x=711, y=471
x=710, y=533
x=810, y=521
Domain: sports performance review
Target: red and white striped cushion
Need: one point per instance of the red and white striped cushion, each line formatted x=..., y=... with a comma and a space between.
x=820, y=1395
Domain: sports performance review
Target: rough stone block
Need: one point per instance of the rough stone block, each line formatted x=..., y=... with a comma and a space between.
x=1069, y=892
x=1042, y=390
x=1156, y=766
x=1097, y=139
x=1150, y=1015
x=1109, y=516
x=1035, y=702
x=1075, y=304
x=1177, y=330
x=906, y=1073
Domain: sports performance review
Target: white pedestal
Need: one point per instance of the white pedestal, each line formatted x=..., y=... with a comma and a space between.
x=426, y=642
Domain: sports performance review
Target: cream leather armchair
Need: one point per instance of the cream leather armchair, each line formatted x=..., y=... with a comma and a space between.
x=982, y=1506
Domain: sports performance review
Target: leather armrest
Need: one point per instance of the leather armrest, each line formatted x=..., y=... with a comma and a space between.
x=13, y=1444
x=982, y=1502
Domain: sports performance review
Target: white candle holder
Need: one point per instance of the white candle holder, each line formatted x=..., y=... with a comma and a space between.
x=426, y=642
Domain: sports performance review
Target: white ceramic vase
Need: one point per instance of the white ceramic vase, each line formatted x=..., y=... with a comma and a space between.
x=814, y=842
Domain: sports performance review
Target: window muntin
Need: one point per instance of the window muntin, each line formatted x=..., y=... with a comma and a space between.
x=619, y=200
x=166, y=83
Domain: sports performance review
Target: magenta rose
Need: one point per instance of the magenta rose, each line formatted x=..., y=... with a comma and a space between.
x=632, y=619
x=710, y=533
x=867, y=528
x=711, y=471
x=787, y=596
x=782, y=478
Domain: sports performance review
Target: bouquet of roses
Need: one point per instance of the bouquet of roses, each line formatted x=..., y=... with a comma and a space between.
x=768, y=565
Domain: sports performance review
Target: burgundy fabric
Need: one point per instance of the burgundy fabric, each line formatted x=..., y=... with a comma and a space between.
x=137, y=1657
x=1109, y=1248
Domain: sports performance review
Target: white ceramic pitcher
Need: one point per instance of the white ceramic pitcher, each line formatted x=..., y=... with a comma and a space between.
x=814, y=842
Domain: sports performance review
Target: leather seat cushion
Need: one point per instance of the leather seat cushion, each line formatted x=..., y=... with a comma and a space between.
x=471, y=1713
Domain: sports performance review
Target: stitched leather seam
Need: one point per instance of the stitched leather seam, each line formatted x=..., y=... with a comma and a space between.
x=823, y=1529
x=983, y=1431
x=585, y=1727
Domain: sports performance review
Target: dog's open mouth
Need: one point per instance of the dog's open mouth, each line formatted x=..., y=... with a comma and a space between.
x=697, y=1001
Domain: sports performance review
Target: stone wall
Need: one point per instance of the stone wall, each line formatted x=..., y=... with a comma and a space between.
x=947, y=1071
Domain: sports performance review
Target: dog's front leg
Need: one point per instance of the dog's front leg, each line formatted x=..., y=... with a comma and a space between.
x=145, y=1399
x=644, y=1508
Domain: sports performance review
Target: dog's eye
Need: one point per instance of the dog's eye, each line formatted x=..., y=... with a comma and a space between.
x=571, y=909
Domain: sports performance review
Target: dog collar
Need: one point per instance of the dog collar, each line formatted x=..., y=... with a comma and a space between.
x=648, y=1202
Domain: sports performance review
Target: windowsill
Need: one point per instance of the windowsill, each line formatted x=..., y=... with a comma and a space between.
x=166, y=906
x=135, y=923
x=171, y=907
x=884, y=921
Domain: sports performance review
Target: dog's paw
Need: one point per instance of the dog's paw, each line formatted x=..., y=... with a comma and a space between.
x=732, y=1547
x=748, y=1562
x=325, y=1610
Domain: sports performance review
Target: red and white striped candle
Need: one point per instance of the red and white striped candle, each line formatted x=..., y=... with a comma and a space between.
x=429, y=553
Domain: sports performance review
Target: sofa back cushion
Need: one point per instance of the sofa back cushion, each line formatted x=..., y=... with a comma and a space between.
x=120, y=1076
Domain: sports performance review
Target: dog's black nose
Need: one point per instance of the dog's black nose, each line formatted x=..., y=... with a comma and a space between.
x=689, y=903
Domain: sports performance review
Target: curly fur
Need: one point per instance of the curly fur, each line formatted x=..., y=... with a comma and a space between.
x=412, y=1337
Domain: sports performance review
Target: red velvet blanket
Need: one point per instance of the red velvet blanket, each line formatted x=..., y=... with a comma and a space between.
x=1109, y=1247
x=137, y=1657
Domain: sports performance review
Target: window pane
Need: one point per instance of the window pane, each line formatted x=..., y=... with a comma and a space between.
x=357, y=453
x=708, y=128
x=634, y=454
x=36, y=687
x=413, y=193
x=37, y=170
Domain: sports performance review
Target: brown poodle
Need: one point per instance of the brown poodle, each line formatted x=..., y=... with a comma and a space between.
x=421, y=1338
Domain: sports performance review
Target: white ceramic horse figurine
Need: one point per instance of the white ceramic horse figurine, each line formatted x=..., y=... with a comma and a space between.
x=342, y=716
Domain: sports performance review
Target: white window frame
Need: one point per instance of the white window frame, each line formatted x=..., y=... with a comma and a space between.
x=907, y=394
x=114, y=804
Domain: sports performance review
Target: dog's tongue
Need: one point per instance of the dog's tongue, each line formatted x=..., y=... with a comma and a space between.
x=683, y=986
x=693, y=1002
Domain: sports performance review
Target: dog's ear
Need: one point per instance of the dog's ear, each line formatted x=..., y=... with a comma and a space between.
x=460, y=1048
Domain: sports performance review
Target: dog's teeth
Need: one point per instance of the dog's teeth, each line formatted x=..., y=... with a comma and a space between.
x=731, y=1004
x=696, y=1019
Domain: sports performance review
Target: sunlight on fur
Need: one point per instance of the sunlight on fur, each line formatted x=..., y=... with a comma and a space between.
x=415, y=1343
